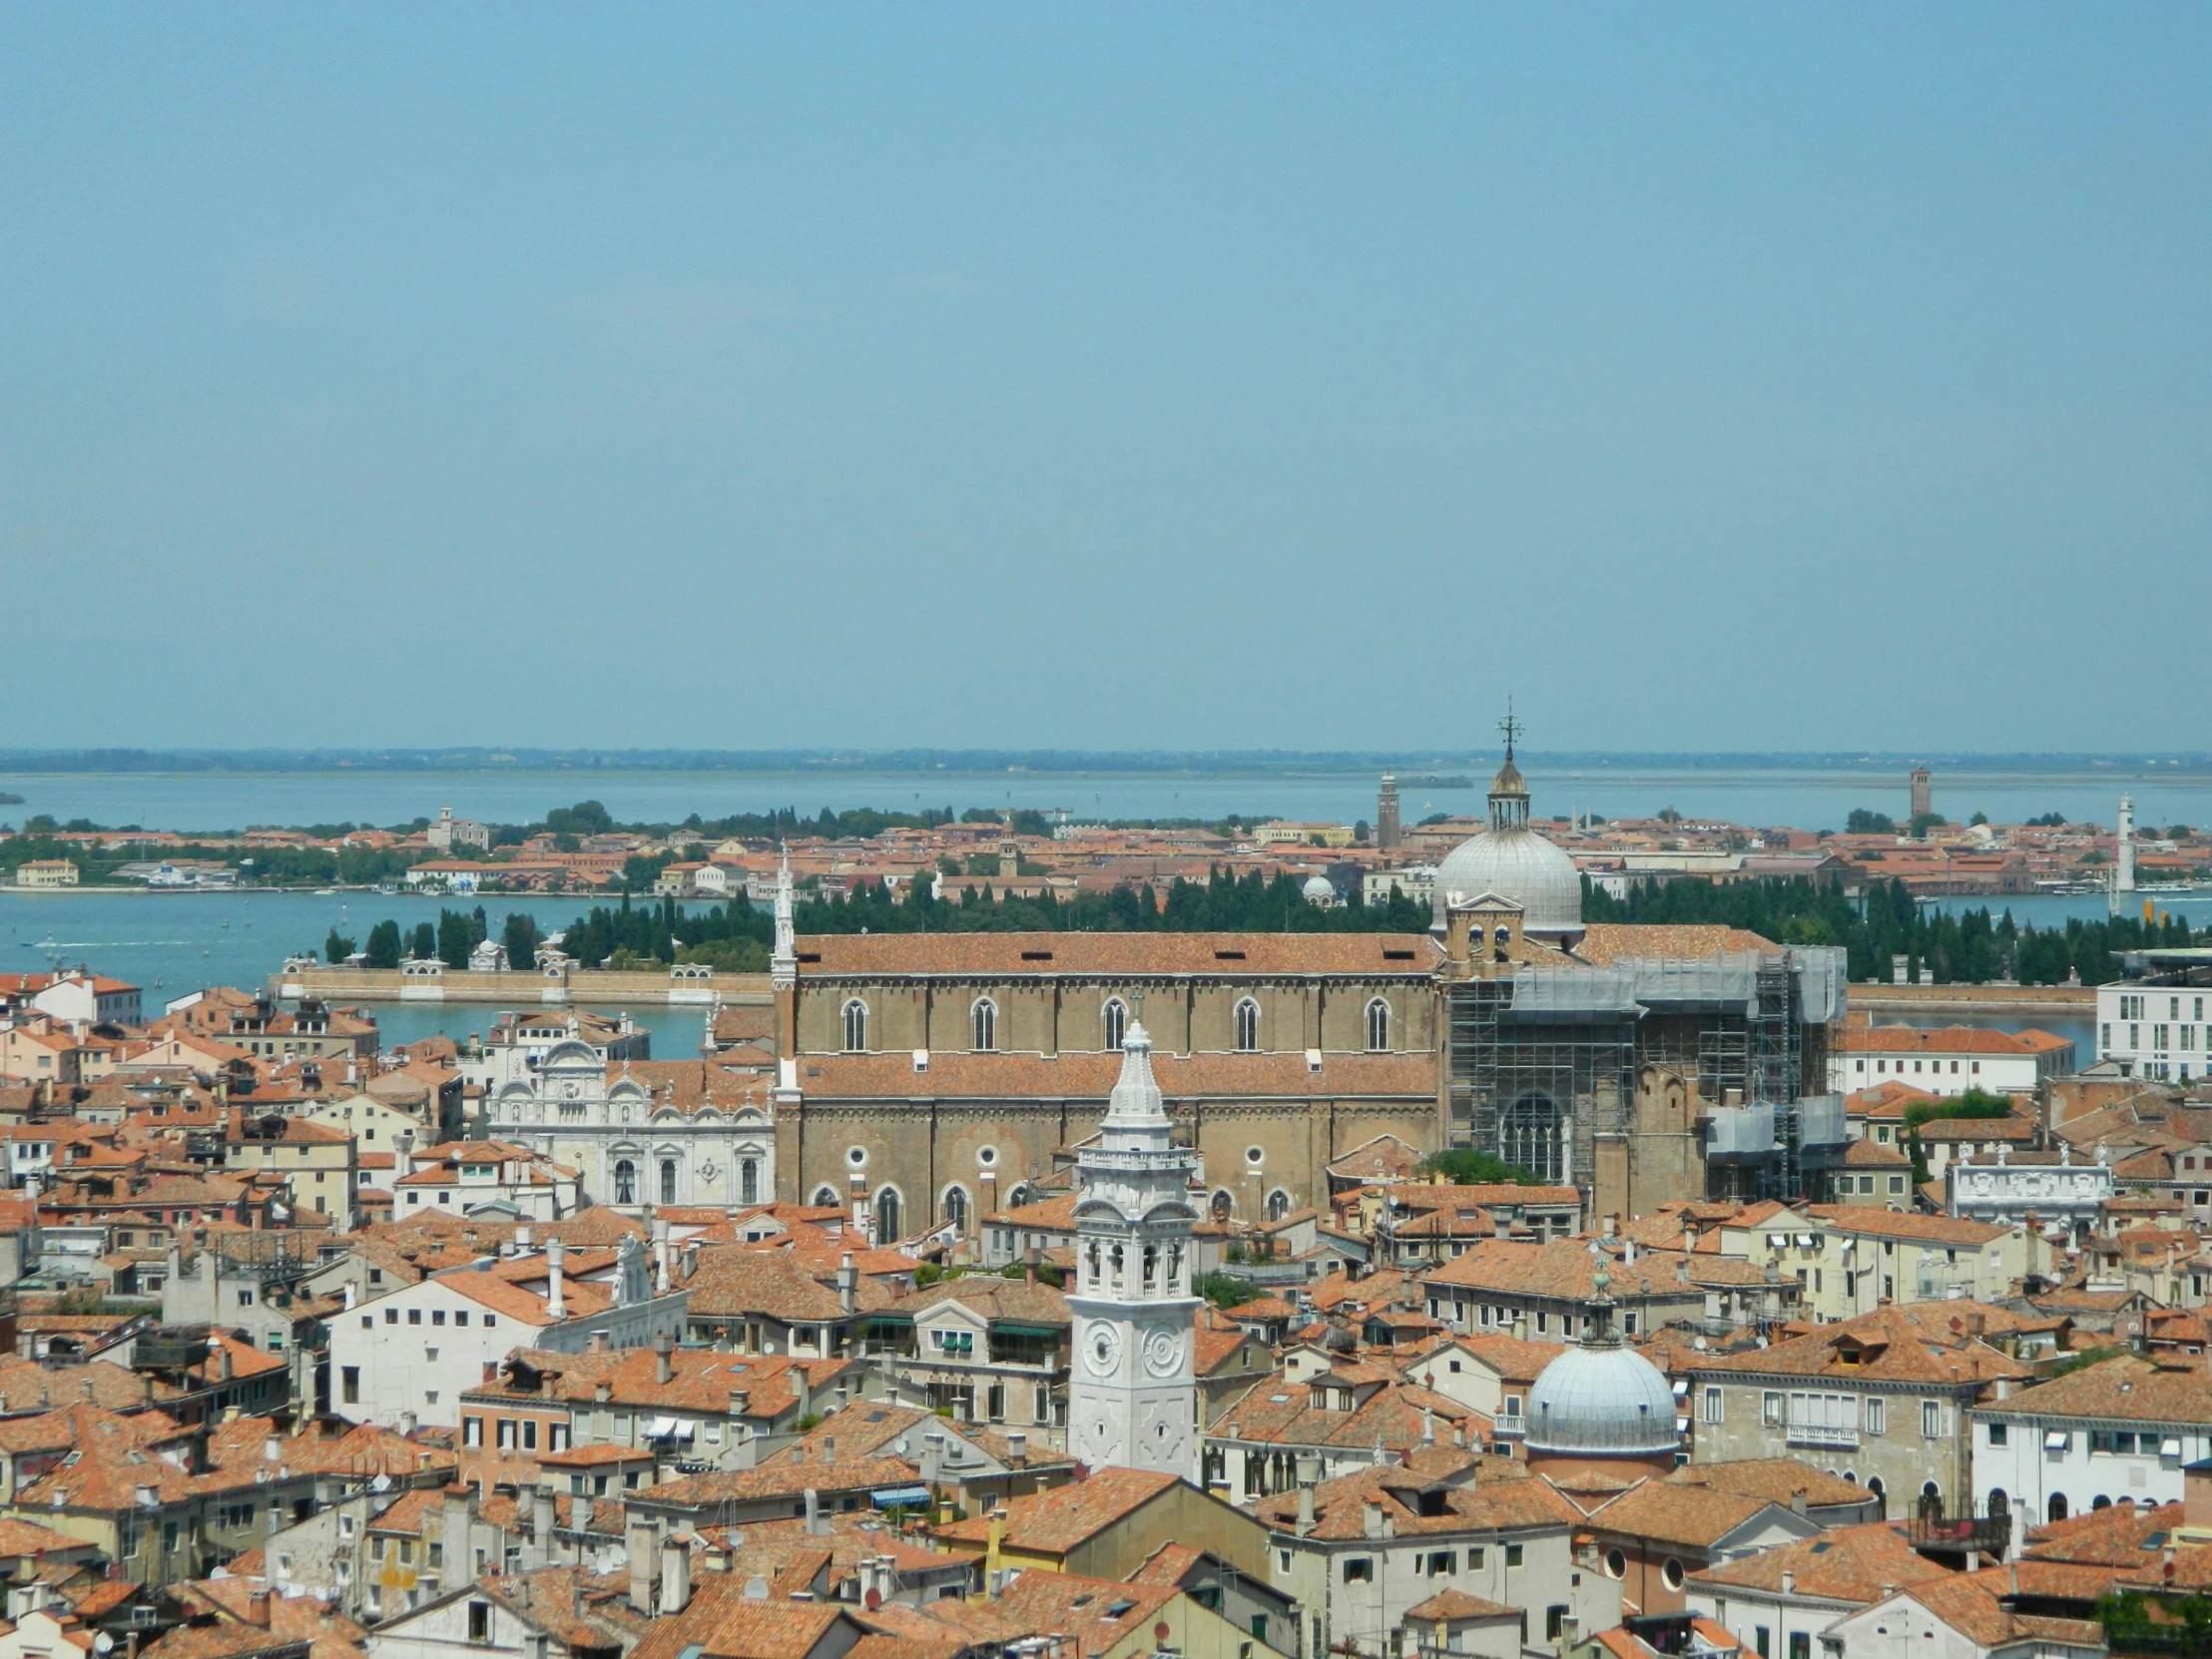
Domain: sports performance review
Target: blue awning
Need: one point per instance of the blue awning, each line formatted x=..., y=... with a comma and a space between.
x=899, y=1497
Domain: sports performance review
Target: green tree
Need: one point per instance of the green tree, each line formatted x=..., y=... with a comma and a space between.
x=1360, y=832
x=383, y=946
x=425, y=944
x=586, y=818
x=1923, y=822
x=1225, y=1289
x=336, y=948
x=521, y=941
x=458, y=934
x=1865, y=823
x=1466, y=1166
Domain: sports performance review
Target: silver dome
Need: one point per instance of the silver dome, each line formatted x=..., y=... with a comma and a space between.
x=1520, y=865
x=1318, y=886
x=1602, y=1400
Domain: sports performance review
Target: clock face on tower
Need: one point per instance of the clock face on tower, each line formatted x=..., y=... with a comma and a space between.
x=1163, y=1354
x=1103, y=1352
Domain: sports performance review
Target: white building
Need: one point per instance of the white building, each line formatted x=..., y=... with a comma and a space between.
x=636, y=1141
x=1953, y=1618
x=77, y=996
x=517, y=1044
x=2154, y=1030
x=2007, y=1187
x=1944, y=1060
x=2120, y=1428
x=1133, y=1388
x=1416, y=881
x=450, y=833
x=474, y=1178
x=412, y=1352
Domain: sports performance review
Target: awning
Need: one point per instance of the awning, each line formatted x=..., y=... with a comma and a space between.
x=1681, y=1387
x=667, y=1428
x=2057, y=1440
x=2169, y=1448
x=1805, y=1241
x=899, y=1497
x=1681, y=1426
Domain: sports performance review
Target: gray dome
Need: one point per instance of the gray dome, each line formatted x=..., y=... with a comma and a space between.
x=1318, y=886
x=1603, y=1400
x=1520, y=865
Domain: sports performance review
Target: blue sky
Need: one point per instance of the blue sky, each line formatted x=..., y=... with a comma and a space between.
x=1714, y=377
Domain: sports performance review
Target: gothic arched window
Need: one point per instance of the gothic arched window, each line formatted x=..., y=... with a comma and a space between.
x=887, y=1216
x=749, y=1181
x=1116, y=1016
x=668, y=1180
x=984, y=1017
x=856, y=1027
x=955, y=1207
x=1222, y=1205
x=825, y=1198
x=1529, y=1135
x=1279, y=1204
x=1378, y=1026
x=626, y=1181
x=1247, y=1026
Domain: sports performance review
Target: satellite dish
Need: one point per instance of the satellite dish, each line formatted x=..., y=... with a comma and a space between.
x=101, y=1642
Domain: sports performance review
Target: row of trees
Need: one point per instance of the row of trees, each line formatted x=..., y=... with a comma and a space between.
x=1969, y=946
x=450, y=938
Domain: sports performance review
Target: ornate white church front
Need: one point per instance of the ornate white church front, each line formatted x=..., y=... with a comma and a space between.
x=1133, y=1392
x=632, y=1147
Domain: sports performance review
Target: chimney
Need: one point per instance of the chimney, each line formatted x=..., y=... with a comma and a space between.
x=661, y=1285
x=1797, y=1501
x=675, y=1578
x=1029, y=1264
x=664, y=1360
x=815, y=1523
x=932, y=1455
x=849, y=1281
x=804, y=1387
x=526, y=1239
x=1017, y=1448
x=1304, y=1511
x=273, y=1450
x=257, y=1608
x=491, y=1373
x=221, y=1360
x=556, y=1303
x=407, y=1425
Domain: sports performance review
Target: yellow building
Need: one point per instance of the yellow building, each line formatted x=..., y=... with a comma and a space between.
x=46, y=873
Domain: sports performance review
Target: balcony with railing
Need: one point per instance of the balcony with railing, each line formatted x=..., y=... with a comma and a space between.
x=1826, y=1434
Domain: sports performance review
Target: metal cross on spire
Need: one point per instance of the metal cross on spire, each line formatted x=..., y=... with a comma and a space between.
x=1509, y=727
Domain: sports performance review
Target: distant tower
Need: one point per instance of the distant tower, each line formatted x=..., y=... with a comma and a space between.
x=1924, y=792
x=2123, y=875
x=1386, y=814
x=1133, y=1390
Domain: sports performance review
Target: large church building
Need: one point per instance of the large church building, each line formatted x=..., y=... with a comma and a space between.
x=934, y=1078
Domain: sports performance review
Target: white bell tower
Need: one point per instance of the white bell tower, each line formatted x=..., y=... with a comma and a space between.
x=1133, y=1394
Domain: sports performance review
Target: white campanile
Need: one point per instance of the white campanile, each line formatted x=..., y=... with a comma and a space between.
x=1133, y=1396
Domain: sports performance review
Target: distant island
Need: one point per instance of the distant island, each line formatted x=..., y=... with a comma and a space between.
x=7, y=800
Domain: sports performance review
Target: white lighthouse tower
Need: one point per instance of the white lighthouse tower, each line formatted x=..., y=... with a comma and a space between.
x=2123, y=868
x=1133, y=1396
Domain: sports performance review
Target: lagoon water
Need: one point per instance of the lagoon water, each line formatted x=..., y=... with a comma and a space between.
x=1803, y=797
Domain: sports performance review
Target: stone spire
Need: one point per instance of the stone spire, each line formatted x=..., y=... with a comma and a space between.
x=782, y=962
x=1136, y=1113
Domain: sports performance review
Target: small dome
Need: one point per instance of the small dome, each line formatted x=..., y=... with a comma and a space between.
x=1602, y=1400
x=1317, y=888
x=1521, y=866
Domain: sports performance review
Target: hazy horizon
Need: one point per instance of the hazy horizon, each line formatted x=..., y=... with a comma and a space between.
x=1715, y=382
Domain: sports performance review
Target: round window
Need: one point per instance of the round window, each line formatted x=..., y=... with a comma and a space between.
x=1671, y=1574
x=1616, y=1564
x=986, y=1155
x=1254, y=1155
x=857, y=1156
